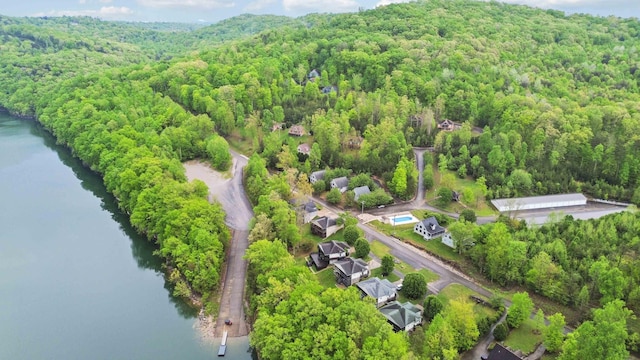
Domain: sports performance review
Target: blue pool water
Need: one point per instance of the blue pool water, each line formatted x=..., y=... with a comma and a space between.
x=403, y=219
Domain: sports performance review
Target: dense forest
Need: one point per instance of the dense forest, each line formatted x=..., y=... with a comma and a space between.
x=548, y=103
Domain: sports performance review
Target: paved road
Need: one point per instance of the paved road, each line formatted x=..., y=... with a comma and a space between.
x=230, y=193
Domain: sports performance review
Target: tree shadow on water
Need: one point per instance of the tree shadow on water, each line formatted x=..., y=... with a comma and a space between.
x=141, y=248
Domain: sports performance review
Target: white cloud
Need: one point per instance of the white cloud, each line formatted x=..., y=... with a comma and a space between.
x=198, y=4
x=320, y=5
x=258, y=5
x=106, y=1
x=387, y=2
x=106, y=12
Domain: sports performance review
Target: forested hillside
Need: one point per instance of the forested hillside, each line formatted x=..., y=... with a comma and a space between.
x=557, y=98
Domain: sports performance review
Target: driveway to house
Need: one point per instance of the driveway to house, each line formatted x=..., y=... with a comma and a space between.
x=229, y=191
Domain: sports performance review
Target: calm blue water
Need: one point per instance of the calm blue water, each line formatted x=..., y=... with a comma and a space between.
x=76, y=282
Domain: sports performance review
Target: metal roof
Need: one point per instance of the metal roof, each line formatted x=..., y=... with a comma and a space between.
x=539, y=202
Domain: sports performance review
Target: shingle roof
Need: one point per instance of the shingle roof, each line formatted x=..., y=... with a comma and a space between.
x=377, y=288
x=341, y=182
x=332, y=247
x=310, y=207
x=360, y=190
x=432, y=226
x=499, y=352
x=324, y=222
x=319, y=175
x=304, y=148
x=350, y=266
x=401, y=314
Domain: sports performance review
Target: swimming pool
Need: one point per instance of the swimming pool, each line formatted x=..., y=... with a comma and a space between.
x=402, y=219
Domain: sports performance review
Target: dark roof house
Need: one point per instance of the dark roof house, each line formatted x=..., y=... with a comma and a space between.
x=429, y=228
x=359, y=191
x=328, y=253
x=403, y=317
x=313, y=74
x=380, y=290
x=324, y=226
x=500, y=352
x=329, y=89
x=349, y=271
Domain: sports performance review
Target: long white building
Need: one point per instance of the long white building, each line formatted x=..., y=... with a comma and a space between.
x=539, y=202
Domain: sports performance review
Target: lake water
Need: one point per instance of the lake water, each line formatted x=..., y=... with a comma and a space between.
x=76, y=282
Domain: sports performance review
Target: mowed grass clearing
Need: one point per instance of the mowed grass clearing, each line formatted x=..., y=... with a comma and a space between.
x=524, y=338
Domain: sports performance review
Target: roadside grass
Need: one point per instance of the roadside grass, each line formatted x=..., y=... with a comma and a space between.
x=379, y=249
x=524, y=338
x=377, y=272
x=429, y=275
x=457, y=291
x=326, y=278
x=549, y=356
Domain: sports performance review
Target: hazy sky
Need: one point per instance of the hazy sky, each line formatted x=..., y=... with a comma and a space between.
x=215, y=10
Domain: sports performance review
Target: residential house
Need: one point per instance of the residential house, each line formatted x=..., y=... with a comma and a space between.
x=359, y=191
x=313, y=74
x=355, y=142
x=296, y=130
x=500, y=352
x=349, y=271
x=304, y=149
x=317, y=175
x=448, y=125
x=455, y=196
x=382, y=291
x=341, y=183
x=429, y=228
x=403, y=317
x=328, y=253
x=448, y=240
x=329, y=89
x=324, y=226
x=277, y=126
x=305, y=208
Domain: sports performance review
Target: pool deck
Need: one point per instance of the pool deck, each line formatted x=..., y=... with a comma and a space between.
x=390, y=219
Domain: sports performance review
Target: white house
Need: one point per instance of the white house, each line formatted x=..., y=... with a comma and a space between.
x=429, y=228
x=316, y=175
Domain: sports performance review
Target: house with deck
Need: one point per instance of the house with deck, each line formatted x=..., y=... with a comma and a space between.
x=325, y=226
x=328, y=253
x=403, y=317
x=349, y=271
x=382, y=291
x=429, y=228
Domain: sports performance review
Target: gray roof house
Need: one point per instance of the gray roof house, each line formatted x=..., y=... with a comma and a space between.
x=317, y=175
x=403, y=317
x=325, y=226
x=382, y=291
x=360, y=190
x=349, y=271
x=429, y=228
x=500, y=352
x=309, y=210
x=342, y=183
x=328, y=253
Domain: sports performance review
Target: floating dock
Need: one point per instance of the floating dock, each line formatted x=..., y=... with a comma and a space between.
x=223, y=345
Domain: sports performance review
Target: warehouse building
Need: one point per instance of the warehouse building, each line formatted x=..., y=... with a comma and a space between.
x=539, y=202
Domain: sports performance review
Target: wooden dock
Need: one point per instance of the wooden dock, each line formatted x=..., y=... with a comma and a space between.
x=223, y=345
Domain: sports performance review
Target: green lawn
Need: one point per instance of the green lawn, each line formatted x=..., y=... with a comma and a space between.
x=481, y=207
x=378, y=273
x=524, y=338
x=457, y=291
x=429, y=275
x=326, y=277
x=379, y=249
